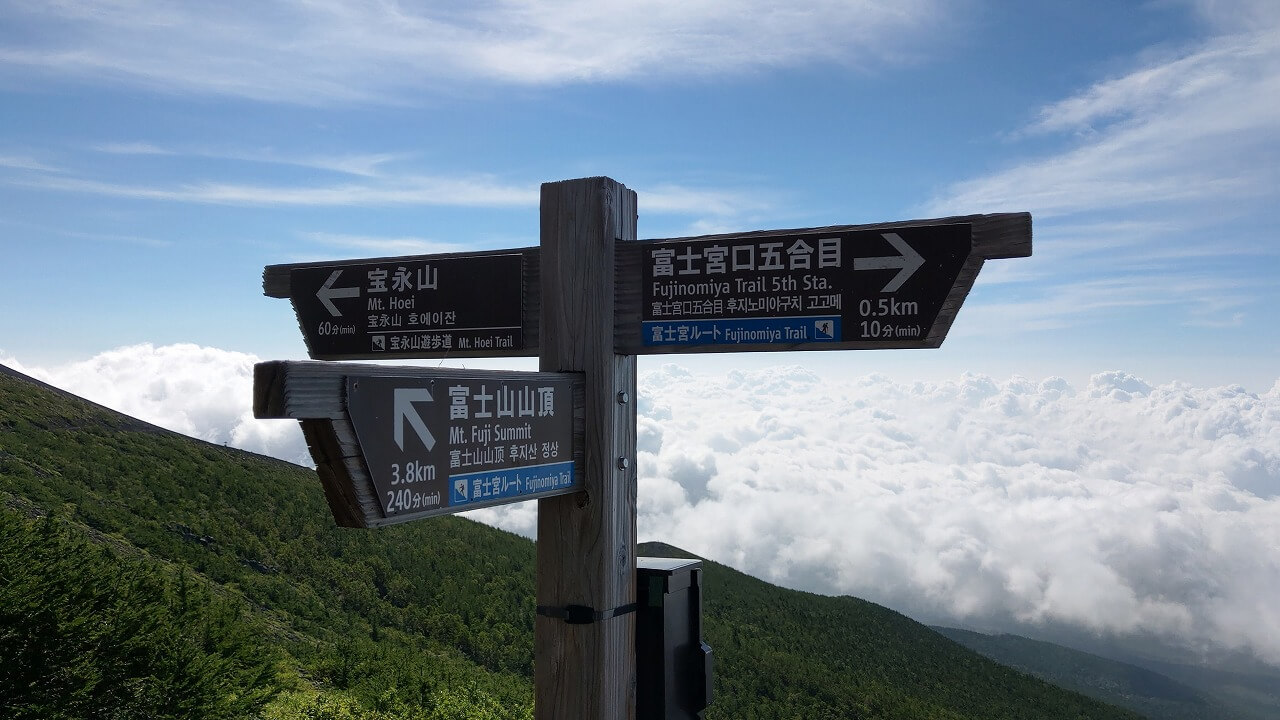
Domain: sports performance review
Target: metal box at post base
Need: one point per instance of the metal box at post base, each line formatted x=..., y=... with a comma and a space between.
x=673, y=664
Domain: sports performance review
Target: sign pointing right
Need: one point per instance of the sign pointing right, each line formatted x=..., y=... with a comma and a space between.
x=812, y=289
x=908, y=259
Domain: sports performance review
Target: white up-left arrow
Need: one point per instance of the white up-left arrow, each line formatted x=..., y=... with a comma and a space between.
x=907, y=262
x=328, y=292
x=405, y=412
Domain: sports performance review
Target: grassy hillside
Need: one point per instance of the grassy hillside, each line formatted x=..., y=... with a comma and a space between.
x=432, y=619
x=436, y=615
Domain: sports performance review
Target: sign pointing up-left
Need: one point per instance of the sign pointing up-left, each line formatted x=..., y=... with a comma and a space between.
x=405, y=412
x=483, y=438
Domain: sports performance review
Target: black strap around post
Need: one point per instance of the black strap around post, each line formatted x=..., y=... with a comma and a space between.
x=583, y=615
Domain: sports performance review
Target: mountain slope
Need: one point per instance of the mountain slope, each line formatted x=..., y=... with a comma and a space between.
x=433, y=619
x=1137, y=688
x=1249, y=695
x=88, y=631
x=436, y=615
x=859, y=659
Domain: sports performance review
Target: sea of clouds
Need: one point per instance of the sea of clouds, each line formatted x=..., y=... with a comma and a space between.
x=1114, y=508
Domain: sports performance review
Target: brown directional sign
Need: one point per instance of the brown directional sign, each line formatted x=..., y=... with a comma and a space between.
x=395, y=444
x=438, y=443
x=458, y=305
x=848, y=287
x=795, y=290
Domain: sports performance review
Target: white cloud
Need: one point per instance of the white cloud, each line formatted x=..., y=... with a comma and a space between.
x=331, y=51
x=1119, y=507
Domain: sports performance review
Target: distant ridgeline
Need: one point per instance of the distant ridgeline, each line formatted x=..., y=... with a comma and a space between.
x=147, y=574
x=1182, y=692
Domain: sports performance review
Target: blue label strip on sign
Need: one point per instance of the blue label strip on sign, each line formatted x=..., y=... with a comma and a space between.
x=743, y=331
x=487, y=486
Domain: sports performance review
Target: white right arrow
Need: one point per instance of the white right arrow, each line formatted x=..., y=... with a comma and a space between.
x=907, y=262
x=328, y=292
x=405, y=412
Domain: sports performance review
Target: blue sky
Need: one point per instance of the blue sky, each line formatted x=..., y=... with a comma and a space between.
x=153, y=157
x=1096, y=445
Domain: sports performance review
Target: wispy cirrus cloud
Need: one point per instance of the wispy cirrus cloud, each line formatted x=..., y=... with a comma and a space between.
x=408, y=190
x=383, y=245
x=1196, y=129
x=363, y=164
x=1153, y=194
x=360, y=164
x=95, y=237
x=1198, y=299
x=330, y=51
x=24, y=162
x=682, y=200
x=133, y=148
x=376, y=184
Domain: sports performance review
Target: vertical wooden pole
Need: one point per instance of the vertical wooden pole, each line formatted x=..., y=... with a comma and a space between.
x=587, y=540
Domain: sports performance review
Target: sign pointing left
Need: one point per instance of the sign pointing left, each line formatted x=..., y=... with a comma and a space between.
x=455, y=305
x=405, y=412
x=328, y=292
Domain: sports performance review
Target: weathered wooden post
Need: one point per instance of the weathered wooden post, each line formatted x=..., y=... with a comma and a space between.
x=584, y=634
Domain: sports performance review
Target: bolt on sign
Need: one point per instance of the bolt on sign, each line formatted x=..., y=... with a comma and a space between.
x=395, y=444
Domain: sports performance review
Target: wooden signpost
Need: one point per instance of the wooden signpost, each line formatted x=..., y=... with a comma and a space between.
x=393, y=444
